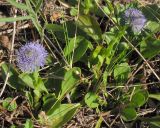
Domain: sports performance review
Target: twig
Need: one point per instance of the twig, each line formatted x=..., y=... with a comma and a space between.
x=68, y=98
x=55, y=48
x=134, y=74
x=142, y=58
x=146, y=111
x=64, y=4
x=2, y=123
x=114, y=120
x=123, y=122
x=105, y=122
x=52, y=52
x=11, y=55
x=107, y=114
x=11, y=30
x=131, y=85
x=132, y=93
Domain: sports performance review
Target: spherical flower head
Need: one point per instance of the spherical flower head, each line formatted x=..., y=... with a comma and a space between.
x=136, y=19
x=31, y=56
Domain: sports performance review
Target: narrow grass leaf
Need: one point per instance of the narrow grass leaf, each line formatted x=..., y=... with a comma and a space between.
x=155, y=96
x=12, y=19
x=18, y=5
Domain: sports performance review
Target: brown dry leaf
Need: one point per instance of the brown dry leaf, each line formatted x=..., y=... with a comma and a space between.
x=157, y=35
x=55, y=16
x=5, y=42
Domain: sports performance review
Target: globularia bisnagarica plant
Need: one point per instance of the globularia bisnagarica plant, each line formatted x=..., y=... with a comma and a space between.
x=80, y=63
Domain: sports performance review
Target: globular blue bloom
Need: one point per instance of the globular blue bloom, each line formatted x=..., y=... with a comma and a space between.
x=31, y=56
x=135, y=18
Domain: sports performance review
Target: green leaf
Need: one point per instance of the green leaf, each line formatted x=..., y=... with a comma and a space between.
x=93, y=59
x=88, y=3
x=90, y=26
x=91, y=99
x=153, y=26
x=27, y=80
x=108, y=36
x=36, y=98
x=13, y=126
x=73, y=11
x=54, y=27
x=139, y=98
x=29, y=97
x=106, y=10
x=54, y=107
x=58, y=115
x=154, y=122
x=109, y=52
x=28, y=124
x=80, y=50
x=78, y=45
x=123, y=46
x=121, y=72
x=109, y=10
x=69, y=29
x=129, y=114
x=109, y=5
x=37, y=95
x=33, y=80
x=9, y=104
x=13, y=76
x=71, y=78
x=88, y=6
x=155, y=96
x=48, y=101
x=72, y=45
x=150, y=47
x=62, y=114
x=54, y=80
x=35, y=76
x=40, y=85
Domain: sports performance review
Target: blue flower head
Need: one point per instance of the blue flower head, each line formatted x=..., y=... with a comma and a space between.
x=31, y=56
x=135, y=18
